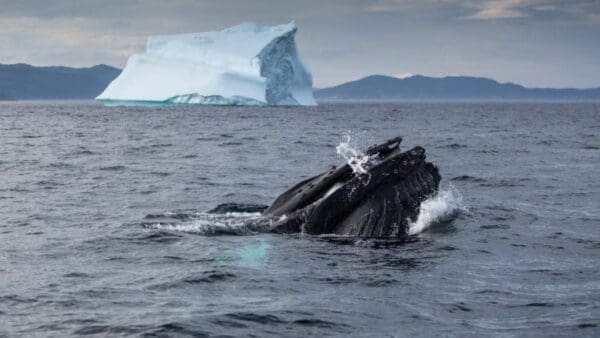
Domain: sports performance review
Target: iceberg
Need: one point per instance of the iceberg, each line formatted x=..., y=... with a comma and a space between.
x=247, y=64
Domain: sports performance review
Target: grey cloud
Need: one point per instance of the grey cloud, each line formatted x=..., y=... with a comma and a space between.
x=510, y=9
x=534, y=42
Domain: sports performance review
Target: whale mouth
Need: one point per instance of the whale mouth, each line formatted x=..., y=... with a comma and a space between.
x=377, y=193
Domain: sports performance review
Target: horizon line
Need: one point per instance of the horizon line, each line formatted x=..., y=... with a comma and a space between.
x=405, y=77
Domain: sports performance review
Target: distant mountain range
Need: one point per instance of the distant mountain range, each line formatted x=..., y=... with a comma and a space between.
x=418, y=87
x=26, y=82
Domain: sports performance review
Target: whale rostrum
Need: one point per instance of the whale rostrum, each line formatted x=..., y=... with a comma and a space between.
x=378, y=201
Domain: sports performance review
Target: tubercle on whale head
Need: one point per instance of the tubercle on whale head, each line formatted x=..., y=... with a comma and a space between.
x=396, y=163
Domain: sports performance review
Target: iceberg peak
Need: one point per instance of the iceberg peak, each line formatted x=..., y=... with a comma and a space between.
x=244, y=64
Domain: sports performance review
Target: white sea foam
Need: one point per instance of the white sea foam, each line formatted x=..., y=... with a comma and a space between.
x=210, y=224
x=443, y=206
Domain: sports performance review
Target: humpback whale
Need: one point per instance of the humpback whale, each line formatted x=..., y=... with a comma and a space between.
x=377, y=196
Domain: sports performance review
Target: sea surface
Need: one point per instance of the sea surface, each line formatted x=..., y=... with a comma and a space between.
x=104, y=229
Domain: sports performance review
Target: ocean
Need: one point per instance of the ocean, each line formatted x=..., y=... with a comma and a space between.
x=104, y=227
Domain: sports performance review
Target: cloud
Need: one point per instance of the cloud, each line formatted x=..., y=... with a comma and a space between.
x=75, y=41
x=404, y=75
x=339, y=39
x=390, y=5
x=585, y=10
x=501, y=9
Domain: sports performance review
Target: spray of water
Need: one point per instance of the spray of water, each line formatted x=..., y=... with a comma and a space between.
x=233, y=223
x=443, y=206
x=355, y=158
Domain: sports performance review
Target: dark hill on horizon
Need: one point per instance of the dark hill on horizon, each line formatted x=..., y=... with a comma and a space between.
x=418, y=87
x=25, y=82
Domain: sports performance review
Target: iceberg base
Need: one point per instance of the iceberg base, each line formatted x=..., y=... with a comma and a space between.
x=188, y=99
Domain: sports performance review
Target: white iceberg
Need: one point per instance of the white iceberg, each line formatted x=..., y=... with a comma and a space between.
x=246, y=64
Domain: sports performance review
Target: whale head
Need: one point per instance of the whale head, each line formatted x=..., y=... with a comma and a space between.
x=377, y=201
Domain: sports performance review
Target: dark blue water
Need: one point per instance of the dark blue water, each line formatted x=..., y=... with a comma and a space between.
x=103, y=227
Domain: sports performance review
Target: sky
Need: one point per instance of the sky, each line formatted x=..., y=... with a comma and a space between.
x=537, y=43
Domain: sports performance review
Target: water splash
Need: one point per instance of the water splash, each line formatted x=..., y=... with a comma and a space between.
x=203, y=223
x=356, y=159
x=442, y=207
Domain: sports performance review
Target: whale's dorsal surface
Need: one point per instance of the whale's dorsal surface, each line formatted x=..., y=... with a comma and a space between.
x=377, y=203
